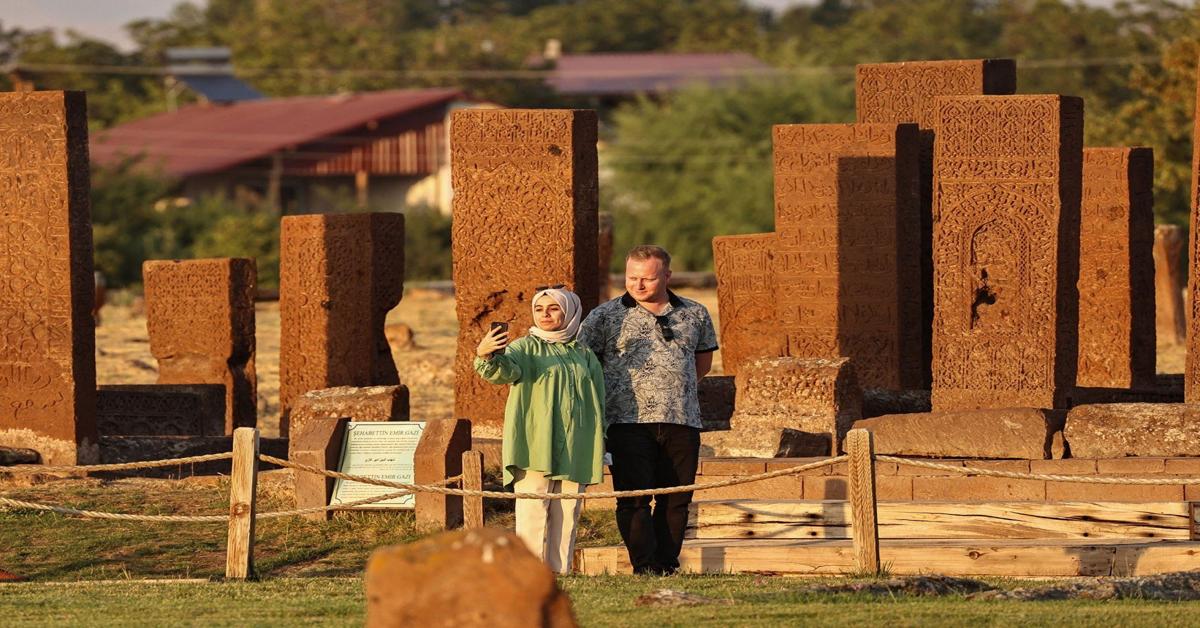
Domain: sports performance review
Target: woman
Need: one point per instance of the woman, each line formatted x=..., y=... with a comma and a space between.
x=553, y=422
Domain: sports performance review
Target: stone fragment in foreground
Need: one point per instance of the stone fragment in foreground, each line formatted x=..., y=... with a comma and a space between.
x=482, y=577
x=996, y=433
x=1116, y=430
x=813, y=395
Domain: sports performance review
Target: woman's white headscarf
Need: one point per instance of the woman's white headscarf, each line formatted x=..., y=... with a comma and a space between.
x=572, y=314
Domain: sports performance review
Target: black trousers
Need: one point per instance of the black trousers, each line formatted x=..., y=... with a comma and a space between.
x=653, y=455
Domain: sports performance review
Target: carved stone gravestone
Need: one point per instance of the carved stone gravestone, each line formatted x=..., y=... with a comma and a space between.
x=1191, y=370
x=905, y=92
x=746, y=299
x=200, y=316
x=1007, y=178
x=525, y=214
x=48, y=344
x=1116, y=269
x=339, y=275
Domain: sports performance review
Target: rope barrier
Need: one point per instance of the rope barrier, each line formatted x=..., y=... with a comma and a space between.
x=1016, y=475
x=687, y=488
x=148, y=464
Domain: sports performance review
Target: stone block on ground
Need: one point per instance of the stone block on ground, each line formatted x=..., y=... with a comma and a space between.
x=370, y=403
x=811, y=395
x=512, y=169
x=48, y=348
x=439, y=456
x=880, y=401
x=483, y=577
x=317, y=443
x=1117, y=430
x=120, y=449
x=15, y=455
x=200, y=319
x=161, y=410
x=998, y=433
x=716, y=394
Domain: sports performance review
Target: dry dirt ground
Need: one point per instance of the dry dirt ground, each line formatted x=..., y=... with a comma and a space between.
x=123, y=351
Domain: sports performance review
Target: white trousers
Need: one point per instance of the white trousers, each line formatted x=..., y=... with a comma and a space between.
x=548, y=525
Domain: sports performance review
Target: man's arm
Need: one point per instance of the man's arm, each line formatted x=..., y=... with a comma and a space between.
x=703, y=364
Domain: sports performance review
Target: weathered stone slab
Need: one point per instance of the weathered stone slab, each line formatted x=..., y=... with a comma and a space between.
x=484, y=577
x=845, y=259
x=773, y=394
x=337, y=274
x=439, y=456
x=200, y=318
x=905, y=92
x=119, y=449
x=1116, y=430
x=717, y=394
x=1157, y=394
x=370, y=403
x=800, y=444
x=1191, y=369
x=745, y=299
x=1170, y=281
x=997, y=433
x=47, y=350
x=525, y=214
x=161, y=410
x=317, y=443
x=1116, y=269
x=15, y=455
x=1006, y=231
x=879, y=401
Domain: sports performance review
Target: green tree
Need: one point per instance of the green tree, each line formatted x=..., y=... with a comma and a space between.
x=699, y=164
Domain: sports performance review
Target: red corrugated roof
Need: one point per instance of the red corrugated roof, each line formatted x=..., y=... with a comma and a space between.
x=209, y=138
x=627, y=73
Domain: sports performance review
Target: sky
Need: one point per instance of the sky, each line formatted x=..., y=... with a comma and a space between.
x=105, y=19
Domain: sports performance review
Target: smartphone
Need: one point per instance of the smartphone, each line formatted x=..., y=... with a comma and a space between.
x=503, y=326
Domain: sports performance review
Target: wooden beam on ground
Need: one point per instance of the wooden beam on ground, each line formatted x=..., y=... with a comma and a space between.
x=239, y=552
x=794, y=519
x=472, y=474
x=1012, y=558
x=860, y=449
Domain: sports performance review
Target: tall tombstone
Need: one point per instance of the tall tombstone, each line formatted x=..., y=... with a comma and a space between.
x=200, y=318
x=1116, y=269
x=746, y=299
x=337, y=274
x=1170, y=281
x=525, y=214
x=47, y=361
x=905, y=92
x=1191, y=369
x=844, y=258
x=1007, y=182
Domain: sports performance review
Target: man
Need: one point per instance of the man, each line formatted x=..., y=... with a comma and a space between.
x=654, y=347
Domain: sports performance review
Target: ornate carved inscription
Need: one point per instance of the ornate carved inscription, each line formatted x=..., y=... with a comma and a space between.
x=200, y=315
x=1116, y=286
x=1005, y=251
x=905, y=92
x=746, y=299
x=161, y=410
x=845, y=272
x=337, y=274
x=47, y=334
x=525, y=214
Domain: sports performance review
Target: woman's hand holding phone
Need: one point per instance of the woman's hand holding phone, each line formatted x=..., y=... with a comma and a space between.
x=494, y=341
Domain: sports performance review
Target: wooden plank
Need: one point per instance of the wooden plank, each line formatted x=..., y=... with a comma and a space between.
x=472, y=473
x=860, y=449
x=949, y=520
x=239, y=552
x=1038, y=558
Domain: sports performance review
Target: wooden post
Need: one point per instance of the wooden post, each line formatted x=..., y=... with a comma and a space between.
x=472, y=473
x=239, y=556
x=860, y=448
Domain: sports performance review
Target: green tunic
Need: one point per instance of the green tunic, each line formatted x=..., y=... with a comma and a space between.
x=553, y=421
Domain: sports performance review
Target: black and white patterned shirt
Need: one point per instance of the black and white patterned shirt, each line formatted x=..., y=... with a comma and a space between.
x=648, y=378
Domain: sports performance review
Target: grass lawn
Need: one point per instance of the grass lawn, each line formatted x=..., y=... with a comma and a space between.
x=92, y=573
x=598, y=601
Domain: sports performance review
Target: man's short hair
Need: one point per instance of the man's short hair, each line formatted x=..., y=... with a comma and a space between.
x=644, y=252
